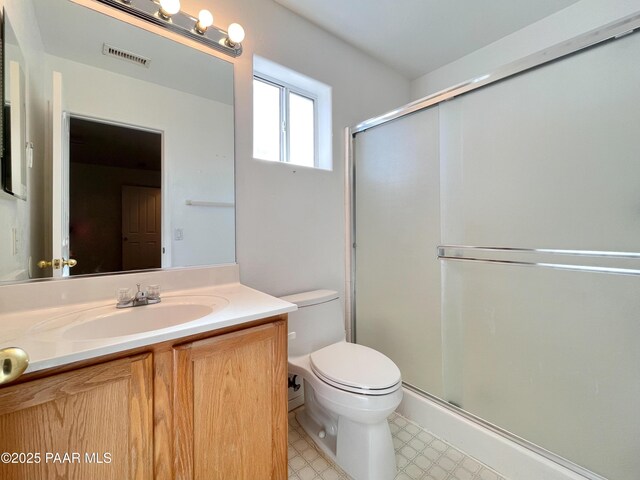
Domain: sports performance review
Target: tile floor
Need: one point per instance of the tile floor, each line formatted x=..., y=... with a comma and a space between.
x=419, y=455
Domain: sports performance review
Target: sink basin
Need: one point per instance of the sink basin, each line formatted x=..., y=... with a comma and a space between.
x=108, y=321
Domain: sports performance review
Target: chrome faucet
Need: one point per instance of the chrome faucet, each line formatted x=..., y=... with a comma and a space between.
x=141, y=297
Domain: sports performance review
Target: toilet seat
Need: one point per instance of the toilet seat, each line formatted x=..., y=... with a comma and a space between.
x=356, y=368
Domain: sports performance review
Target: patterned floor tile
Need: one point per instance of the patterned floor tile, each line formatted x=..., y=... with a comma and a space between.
x=419, y=456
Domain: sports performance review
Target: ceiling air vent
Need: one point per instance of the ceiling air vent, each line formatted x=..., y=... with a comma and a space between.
x=112, y=51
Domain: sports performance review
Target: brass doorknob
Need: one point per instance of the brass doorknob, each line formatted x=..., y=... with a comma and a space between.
x=58, y=263
x=13, y=362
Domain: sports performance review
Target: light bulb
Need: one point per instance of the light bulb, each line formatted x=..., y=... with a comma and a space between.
x=236, y=33
x=168, y=8
x=205, y=20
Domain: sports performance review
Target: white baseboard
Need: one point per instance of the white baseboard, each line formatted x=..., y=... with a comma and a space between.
x=508, y=458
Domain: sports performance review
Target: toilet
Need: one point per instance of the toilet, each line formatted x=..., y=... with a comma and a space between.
x=349, y=389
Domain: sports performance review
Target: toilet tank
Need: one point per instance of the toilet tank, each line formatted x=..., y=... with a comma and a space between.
x=318, y=322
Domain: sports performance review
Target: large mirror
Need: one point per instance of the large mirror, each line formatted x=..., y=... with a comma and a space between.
x=124, y=147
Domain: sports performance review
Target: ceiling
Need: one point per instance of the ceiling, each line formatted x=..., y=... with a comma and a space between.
x=418, y=36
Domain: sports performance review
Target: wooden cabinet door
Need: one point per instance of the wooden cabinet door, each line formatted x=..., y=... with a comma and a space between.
x=230, y=410
x=100, y=417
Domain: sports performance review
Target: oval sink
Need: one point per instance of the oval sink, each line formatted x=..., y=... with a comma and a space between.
x=108, y=322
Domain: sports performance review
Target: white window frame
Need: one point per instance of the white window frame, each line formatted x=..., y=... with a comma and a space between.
x=285, y=137
x=290, y=81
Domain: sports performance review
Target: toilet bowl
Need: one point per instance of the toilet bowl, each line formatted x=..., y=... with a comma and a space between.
x=349, y=389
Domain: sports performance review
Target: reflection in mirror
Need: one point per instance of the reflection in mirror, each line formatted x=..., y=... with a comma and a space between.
x=113, y=96
x=14, y=168
x=115, y=186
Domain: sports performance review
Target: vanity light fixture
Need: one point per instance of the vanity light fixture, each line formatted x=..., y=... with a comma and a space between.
x=167, y=14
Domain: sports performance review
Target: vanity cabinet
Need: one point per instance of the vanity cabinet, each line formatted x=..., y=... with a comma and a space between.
x=211, y=406
x=231, y=407
x=94, y=422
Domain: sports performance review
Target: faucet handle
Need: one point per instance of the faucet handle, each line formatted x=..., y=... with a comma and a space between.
x=123, y=297
x=153, y=292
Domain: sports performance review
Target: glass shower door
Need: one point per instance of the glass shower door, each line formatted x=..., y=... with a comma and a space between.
x=540, y=324
x=397, y=299
x=530, y=317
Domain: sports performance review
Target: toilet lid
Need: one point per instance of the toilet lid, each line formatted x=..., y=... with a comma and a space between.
x=356, y=368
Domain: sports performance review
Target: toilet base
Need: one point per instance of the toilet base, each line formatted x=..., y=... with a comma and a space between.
x=312, y=428
x=364, y=451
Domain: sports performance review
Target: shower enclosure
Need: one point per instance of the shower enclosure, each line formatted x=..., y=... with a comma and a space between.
x=496, y=251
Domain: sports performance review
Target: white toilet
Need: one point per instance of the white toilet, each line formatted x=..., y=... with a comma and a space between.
x=349, y=389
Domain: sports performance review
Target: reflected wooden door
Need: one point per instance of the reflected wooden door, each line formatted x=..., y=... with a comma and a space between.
x=141, y=229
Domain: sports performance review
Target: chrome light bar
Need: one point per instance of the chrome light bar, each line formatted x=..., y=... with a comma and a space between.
x=180, y=23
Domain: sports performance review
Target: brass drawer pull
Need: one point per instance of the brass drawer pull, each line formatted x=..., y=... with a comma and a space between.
x=13, y=362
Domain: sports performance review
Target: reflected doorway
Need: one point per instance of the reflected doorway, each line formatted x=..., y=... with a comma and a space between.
x=115, y=178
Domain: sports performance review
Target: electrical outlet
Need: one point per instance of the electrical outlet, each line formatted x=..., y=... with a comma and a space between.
x=178, y=234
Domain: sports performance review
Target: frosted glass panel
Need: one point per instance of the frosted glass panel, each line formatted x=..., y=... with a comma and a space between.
x=397, y=232
x=551, y=356
x=548, y=158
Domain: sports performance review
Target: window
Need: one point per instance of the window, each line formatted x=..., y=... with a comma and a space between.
x=291, y=117
x=284, y=125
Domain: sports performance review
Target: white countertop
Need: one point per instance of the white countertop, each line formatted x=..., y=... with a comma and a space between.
x=17, y=328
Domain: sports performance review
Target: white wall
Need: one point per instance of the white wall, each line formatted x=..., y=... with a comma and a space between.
x=567, y=23
x=290, y=220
